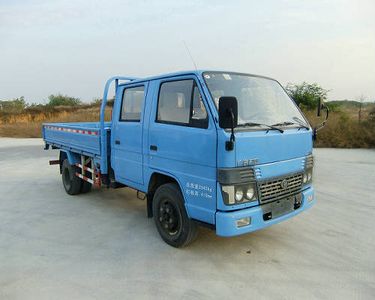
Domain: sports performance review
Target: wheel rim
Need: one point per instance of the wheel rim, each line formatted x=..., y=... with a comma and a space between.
x=66, y=176
x=169, y=218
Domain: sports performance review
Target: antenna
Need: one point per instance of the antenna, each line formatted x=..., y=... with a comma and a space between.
x=191, y=57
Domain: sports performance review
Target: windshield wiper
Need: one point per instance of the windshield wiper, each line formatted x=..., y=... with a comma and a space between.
x=286, y=123
x=251, y=124
x=300, y=122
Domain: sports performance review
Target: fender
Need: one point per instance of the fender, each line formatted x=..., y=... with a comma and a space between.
x=152, y=171
x=72, y=157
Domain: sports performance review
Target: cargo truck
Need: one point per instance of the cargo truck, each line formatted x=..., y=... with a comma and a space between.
x=229, y=151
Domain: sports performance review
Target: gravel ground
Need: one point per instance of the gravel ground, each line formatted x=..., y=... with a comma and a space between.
x=101, y=245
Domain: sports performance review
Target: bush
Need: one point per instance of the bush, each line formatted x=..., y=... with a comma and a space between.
x=14, y=106
x=63, y=100
x=332, y=106
x=96, y=102
x=371, y=116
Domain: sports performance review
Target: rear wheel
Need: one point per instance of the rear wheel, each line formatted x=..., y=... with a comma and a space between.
x=86, y=187
x=171, y=219
x=71, y=182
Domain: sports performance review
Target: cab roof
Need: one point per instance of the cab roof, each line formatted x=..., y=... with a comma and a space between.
x=198, y=73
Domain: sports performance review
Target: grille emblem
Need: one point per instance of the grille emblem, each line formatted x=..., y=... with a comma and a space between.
x=284, y=184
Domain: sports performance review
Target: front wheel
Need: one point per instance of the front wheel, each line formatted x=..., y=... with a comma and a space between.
x=171, y=219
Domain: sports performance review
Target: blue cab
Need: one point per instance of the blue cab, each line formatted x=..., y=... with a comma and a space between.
x=226, y=150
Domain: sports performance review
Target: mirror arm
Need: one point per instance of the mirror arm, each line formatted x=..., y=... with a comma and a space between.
x=232, y=137
x=321, y=125
x=229, y=145
x=319, y=106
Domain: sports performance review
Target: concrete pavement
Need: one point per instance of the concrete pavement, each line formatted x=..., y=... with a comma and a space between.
x=100, y=245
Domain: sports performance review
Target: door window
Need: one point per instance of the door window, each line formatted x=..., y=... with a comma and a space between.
x=132, y=103
x=180, y=103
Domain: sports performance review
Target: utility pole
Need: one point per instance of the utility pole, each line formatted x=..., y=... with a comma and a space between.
x=361, y=100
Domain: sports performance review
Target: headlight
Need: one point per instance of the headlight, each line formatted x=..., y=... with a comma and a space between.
x=250, y=192
x=237, y=194
x=307, y=176
x=304, y=178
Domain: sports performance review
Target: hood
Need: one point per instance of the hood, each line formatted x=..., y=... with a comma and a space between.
x=266, y=147
x=262, y=147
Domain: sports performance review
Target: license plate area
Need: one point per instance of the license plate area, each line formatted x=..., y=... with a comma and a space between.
x=281, y=207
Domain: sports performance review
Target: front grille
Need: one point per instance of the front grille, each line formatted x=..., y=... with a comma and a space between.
x=280, y=188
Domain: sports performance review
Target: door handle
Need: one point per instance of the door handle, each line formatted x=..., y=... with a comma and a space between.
x=117, y=142
x=153, y=148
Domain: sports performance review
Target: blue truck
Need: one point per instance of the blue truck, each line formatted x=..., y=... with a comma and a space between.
x=226, y=150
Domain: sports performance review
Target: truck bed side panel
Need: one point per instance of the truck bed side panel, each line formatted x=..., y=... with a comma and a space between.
x=78, y=137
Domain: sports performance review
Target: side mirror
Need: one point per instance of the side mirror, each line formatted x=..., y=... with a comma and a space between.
x=228, y=118
x=228, y=112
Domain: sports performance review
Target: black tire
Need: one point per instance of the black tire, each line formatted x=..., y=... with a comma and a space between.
x=85, y=187
x=171, y=219
x=72, y=183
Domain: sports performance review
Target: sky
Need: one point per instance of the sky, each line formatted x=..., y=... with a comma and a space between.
x=73, y=46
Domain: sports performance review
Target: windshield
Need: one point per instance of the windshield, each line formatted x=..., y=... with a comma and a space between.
x=260, y=100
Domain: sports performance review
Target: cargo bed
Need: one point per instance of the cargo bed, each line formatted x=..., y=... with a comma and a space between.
x=91, y=139
x=82, y=137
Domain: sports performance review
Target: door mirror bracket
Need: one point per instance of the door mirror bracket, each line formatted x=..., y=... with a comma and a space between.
x=321, y=106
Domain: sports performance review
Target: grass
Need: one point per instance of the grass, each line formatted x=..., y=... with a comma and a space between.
x=343, y=130
x=30, y=124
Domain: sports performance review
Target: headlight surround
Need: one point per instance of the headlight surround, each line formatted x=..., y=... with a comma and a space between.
x=238, y=194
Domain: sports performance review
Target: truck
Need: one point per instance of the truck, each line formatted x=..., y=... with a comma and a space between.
x=229, y=151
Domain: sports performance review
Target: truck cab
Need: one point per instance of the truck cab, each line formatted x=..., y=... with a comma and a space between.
x=226, y=150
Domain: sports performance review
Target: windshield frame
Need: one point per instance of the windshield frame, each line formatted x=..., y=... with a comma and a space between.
x=284, y=127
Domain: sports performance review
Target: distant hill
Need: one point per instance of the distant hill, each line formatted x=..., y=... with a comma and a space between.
x=349, y=104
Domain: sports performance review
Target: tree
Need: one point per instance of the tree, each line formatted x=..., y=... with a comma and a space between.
x=306, y=95
x=63, y=100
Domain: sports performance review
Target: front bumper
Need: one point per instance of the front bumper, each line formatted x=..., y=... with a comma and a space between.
x=226, y=224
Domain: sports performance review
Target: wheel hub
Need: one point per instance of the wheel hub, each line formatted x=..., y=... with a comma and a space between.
x=168, y=218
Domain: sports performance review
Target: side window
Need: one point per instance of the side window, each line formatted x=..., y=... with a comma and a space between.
x=181, y=103
x=132, y=103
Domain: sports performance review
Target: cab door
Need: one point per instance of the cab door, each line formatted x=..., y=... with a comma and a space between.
x=127, y=135
x=182, y=143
